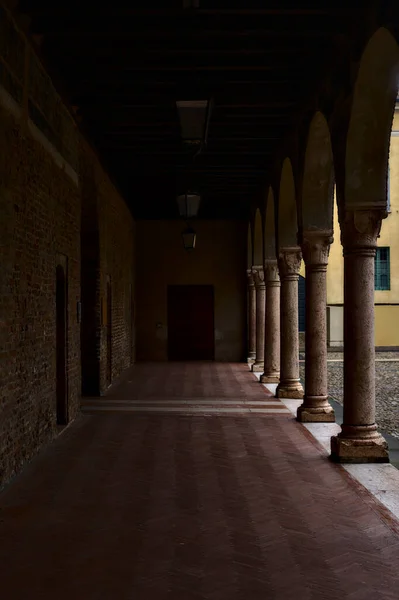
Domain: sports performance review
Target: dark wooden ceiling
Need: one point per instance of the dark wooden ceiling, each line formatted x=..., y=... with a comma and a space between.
x=126, y=67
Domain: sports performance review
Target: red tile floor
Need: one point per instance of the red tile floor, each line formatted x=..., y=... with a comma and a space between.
x=176, y=505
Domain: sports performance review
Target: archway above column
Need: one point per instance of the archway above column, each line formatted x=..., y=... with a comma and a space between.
x=287, y=207
x=316, y=238
x=271, y=374
x=258, y=239
x=370, y=124
x=318, y=177
x=270, y=227
x=250, y=252
x=289, y=262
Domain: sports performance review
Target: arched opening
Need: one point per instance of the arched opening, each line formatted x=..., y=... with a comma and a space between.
x=249, y=247
x=61, y=340
x=258, y=239
x=287, y=208
x=289, y=256
x=317, y=197
x=367, y=148
x=372, y=174
x=109, y=331
x=372, y=170
x=270, y=227
x=318, y=178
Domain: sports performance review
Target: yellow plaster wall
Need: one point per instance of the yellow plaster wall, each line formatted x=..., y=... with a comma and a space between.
x=386, y=325
x=335, y=269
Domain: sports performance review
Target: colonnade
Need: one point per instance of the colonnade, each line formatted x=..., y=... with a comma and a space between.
x=273, y=332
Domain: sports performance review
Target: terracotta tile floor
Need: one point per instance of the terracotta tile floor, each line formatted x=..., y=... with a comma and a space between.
x=170, y=506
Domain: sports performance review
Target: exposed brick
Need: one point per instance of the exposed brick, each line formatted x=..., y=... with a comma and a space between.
x=41, y=213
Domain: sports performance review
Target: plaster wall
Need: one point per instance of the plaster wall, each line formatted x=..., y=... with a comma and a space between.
x=219, y=259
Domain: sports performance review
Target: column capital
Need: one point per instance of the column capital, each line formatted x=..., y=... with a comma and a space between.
x=289, y=262
x=316, y=248
x=272, y=278
x=250, y=278
x=360, y=230
x=258, y=276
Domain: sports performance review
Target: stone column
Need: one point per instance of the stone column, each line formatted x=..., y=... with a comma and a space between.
x=359, y=440
x=271, y=372
x=289, y=263
x=315, y=251
x=251, y=318
x=259, y=279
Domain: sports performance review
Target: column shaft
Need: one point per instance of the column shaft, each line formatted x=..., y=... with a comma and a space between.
x=271, y=372
x=259, y=279
x=315, y=250
x=359, y=440
x=289, y=263
x=251, y=318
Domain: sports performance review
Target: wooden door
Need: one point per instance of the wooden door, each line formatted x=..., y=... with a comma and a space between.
x=191, y=322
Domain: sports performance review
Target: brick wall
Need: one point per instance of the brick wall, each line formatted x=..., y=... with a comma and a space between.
x=39, y=220
x=57, y=207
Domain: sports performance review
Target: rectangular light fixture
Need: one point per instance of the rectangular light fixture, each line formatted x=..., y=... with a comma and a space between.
x=194, y=118
x=188, y=205
x=190, y=3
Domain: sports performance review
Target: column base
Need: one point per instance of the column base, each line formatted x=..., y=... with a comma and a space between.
x=315, y=409
x=272, y=378
x=251, y=360
x=373, y=449
x=257, y=367
x=292, y=389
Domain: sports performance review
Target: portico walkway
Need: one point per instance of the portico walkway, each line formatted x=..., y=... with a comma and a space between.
x=161, y=504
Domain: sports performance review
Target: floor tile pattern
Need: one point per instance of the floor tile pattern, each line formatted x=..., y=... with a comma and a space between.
x=132, y=506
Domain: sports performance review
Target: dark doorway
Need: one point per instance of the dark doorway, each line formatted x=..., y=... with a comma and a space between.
x=109, y=331
x=61, y=339
x=191, y=322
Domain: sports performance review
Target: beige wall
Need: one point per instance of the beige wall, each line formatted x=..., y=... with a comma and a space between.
x=219, y=259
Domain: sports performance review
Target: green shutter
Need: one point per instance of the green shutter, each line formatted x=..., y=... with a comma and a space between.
x=382, y=271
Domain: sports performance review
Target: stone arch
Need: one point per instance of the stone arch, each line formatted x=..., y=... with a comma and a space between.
x=258, y=239
x=249, y=247
x=367, y=146
x=287, y=208
x=318, y=177
x=270, y=227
